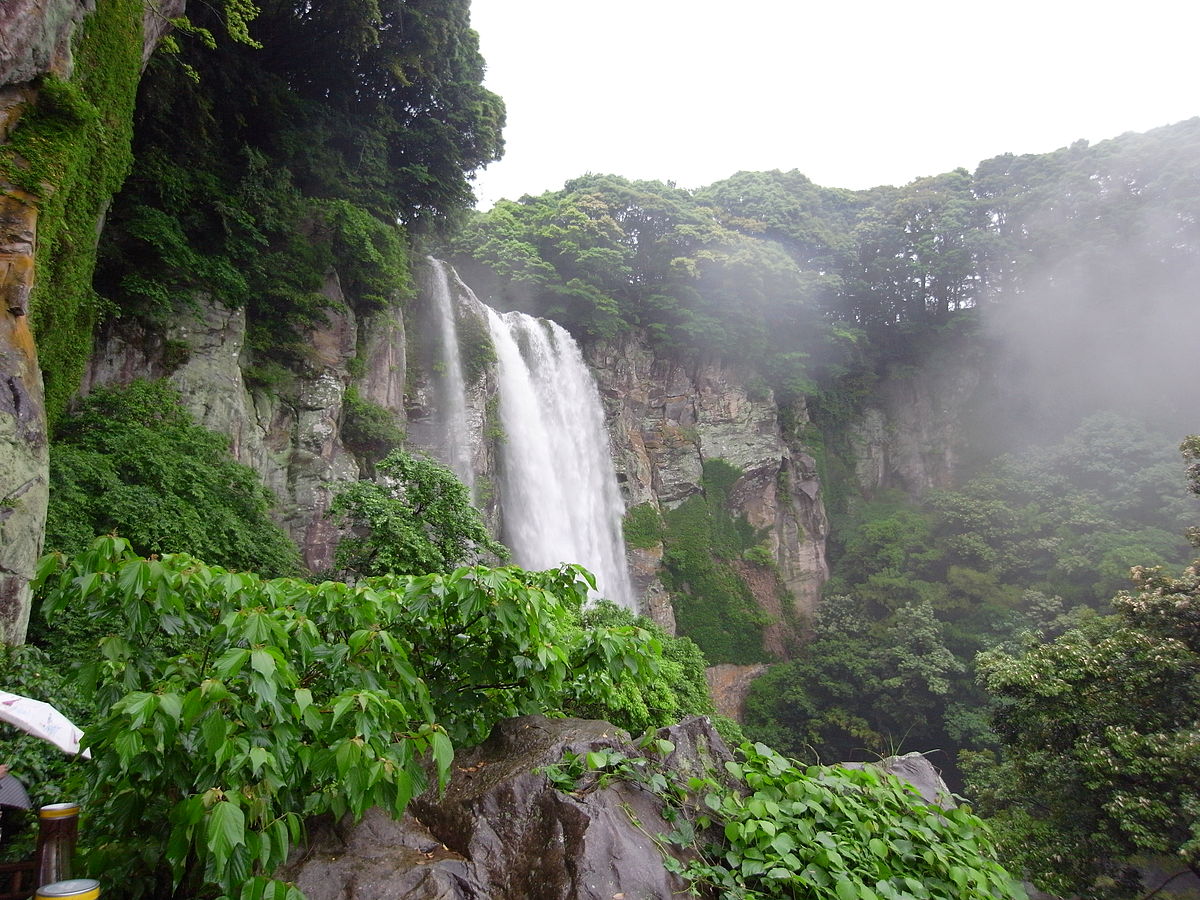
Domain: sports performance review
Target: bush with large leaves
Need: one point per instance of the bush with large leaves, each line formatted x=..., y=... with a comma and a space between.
x=1099, y=730
x=230, y=707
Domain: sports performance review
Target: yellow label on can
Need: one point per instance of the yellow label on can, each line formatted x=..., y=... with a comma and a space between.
x=58, y=811
x=75, y=889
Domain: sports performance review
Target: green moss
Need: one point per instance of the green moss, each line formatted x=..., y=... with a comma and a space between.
x=485, y=492
x=475, y=346
x=493, y=427
x=368, y=429
x=72, y=153
x=702, y=540
x=643, y=526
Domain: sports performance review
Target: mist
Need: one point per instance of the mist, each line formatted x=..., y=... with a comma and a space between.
x=1107, y=320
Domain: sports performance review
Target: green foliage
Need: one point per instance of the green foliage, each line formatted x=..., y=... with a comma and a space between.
x=858, y=689
x=262, y=174
x=131, y=460
x=416, y=518
x=606, y=255
x=768, y=828
x=642, y=526
x=475, y=346
x=71, y=153
x=1071, y=518
x=369, y=429
x=678, y=689
x=1098, y=729
x=702, y=542
x=228, y=708
x=1029, y=544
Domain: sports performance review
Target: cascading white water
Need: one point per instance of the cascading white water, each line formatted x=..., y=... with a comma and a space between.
x=560, y=499
x=453, y=407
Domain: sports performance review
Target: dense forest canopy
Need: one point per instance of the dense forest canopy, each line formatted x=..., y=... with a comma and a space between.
x=1063, y=260
x=352, y=127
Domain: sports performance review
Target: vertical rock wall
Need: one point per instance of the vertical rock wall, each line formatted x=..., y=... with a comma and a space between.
x=667, y=418
x=911, y=437
x=24, y=451
x=35, y=40
x=290, y=432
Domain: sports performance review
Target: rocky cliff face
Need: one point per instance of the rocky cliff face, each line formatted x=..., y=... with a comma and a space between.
x=290, y=431
x=911, y=435
x=36, y=39
x=667, y=418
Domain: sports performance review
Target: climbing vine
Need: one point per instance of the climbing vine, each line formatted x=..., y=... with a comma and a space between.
x=766, y=828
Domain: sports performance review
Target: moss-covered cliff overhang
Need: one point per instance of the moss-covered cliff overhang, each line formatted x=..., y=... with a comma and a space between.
x=68, y=81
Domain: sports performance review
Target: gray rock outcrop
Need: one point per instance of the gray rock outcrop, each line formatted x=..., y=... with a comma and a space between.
x=668, y=417
x=916, y=770
x=911, y=436
x=503, y=832
x=290, y=433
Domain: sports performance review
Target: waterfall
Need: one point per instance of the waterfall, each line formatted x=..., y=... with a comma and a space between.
x=560, y=501
x=452, y=393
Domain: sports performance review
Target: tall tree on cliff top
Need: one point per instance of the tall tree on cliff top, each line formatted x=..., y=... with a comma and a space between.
x=259, y=170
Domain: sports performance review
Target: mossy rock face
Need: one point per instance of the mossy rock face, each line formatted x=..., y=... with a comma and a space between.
x=37, y=37
x=703, y=546
x=70, y=153
x=67, y=152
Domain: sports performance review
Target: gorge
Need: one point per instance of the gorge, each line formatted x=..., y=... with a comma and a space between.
x=871, y=458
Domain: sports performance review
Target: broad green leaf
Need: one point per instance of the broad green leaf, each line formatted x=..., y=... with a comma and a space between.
x=443, y=754
x=226, y=830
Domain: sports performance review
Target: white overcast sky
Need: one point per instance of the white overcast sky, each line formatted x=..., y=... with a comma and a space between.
x=853, y=93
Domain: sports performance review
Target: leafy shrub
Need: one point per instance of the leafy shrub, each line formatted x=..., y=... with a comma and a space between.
x=643, y=526
x=767, y=828
x=842, y=834
x=417, y=518
x=369, y=429
x=132, y=461
x=277, y=700
x=677, y=691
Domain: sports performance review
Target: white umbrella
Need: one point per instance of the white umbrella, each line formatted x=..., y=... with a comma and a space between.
x=41, y=720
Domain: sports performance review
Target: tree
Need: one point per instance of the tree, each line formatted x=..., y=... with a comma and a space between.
x=1102, y=740
x=416, y=518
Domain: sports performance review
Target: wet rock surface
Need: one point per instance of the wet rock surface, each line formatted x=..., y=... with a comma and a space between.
x=503, y=832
